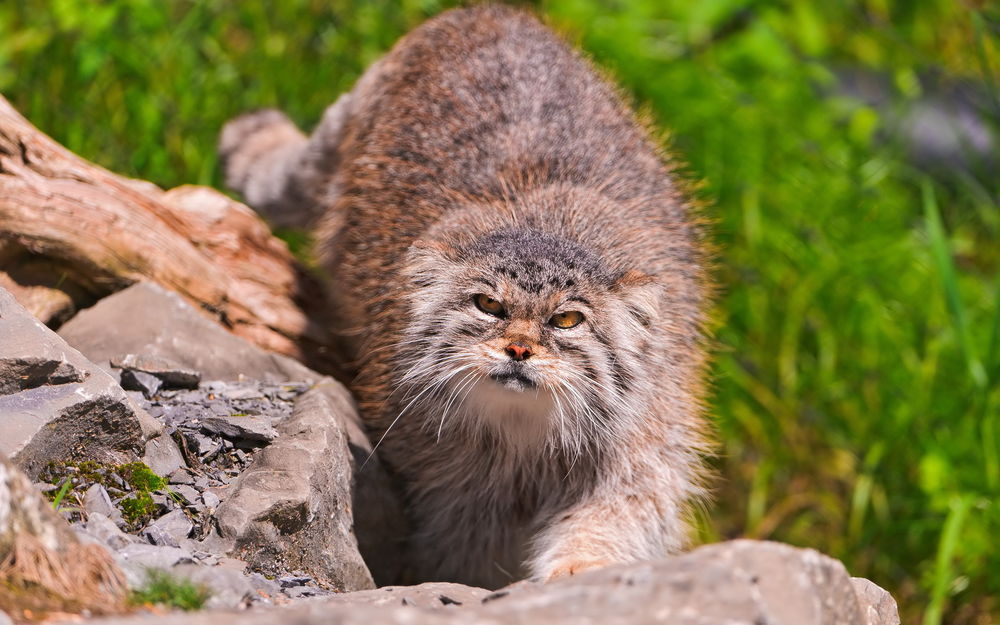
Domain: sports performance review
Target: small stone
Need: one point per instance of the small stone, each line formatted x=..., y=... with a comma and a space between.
x=299, y=592
x=290, y=581
x=255, y=429
x=107, y=531
x=205, y=558
x=162, y=455
x=181, y=476
x=265, y=588
x=201, y=482
x=168, y=372
x=135, y=559
x=211, y=500
x=163, y=502
x=189, y=494
x=169, y=529
x=228, y=588
x=4, y=619
x=97, y=501
x=140, y=381
x=246, y=393
x=199, y=443
x=158, y=536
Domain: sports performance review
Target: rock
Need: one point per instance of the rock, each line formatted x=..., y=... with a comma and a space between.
x=740, y=581
x=302, y=592
x=210, y=499
x=429, y=595
x=136, y=559
x=169, y=373
x=107, y=532
x=19, y=374
x=229, y=589
x=162, y=455
x=97, y=501
x=189, y=494
x=255, y=430
x=23, y=511
x=169, y=529
x=201, y=444
x=42, y=561
x=292, y=509
x=181, y=476
x=145, y=383
x=156, y=536
x=265, y=588
x=734, y=583
x=150, y=322
x=379, y=521
x=877, y=605
x=4, y=619
x=56, y=405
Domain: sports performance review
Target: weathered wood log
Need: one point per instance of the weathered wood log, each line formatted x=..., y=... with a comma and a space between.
x=72, y=232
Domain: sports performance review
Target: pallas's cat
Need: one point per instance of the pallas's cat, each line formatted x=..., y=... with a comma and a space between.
x=519, y=283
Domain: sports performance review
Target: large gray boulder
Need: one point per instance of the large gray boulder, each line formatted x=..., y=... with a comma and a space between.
x=734, y=583
x=145, y=321
x=293, y=508
x=57, y=405
x=740, y=582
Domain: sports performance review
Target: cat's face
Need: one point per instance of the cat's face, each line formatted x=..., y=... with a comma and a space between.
x=526, y=334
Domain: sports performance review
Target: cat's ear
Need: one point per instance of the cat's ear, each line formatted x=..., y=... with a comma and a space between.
x=641, y=294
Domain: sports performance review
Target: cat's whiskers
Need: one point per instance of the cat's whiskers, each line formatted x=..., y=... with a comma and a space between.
x=467, y=382
x=436, y=385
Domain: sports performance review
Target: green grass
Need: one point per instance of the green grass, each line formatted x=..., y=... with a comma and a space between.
x=858, y=329
x=162, y=588
x=76, y=477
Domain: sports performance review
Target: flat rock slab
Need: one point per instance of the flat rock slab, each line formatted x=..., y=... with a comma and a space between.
x=430, y=595
x=735, y=583
x=153, y=325
x=170, y=374
x=57, y=405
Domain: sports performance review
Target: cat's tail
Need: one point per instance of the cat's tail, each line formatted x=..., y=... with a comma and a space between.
x=283, y=174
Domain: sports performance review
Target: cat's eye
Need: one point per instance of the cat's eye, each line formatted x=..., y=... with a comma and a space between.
x=488, y=305
x=566, y=320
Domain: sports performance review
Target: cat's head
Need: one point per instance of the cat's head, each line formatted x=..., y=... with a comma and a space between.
x=528, y=334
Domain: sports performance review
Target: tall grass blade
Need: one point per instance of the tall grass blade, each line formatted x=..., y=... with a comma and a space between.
x=947, y=546
x=949, y=279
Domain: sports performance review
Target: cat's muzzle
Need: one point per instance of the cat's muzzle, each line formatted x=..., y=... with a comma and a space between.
x=514, y=378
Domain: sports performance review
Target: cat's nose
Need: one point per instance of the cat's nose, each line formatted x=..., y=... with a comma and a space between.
x=518, y=351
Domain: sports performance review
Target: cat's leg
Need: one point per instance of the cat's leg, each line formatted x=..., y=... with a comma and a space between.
x=280, y=172
x=639, y=514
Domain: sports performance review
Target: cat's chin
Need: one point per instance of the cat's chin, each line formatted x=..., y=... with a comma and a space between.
x=514, y=382
x=511, y=408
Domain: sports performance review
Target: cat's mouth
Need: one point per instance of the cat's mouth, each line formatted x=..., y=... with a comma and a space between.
x=514, y=381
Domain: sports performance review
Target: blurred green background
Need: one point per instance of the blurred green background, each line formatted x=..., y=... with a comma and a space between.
x=858, y=338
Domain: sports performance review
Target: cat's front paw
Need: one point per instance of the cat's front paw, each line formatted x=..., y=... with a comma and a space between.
x=572, y=567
